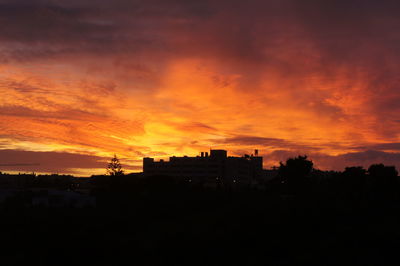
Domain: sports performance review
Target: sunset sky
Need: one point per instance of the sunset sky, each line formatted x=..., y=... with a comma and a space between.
x=83, y=80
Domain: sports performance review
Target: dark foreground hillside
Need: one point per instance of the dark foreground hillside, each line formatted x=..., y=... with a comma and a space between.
x=155, y=222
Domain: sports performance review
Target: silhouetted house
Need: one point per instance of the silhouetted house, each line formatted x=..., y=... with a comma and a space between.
x=214, y=168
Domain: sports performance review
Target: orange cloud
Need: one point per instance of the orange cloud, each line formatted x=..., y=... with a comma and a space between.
x=178, y=78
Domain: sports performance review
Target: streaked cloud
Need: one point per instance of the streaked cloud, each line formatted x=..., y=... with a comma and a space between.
x=49, y=162
x=156, y=78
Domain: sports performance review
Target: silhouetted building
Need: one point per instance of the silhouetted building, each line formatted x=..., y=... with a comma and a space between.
x=216, y=167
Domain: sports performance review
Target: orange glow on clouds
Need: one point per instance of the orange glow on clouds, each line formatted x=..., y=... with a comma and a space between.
x=200, y=76
x=196, y=107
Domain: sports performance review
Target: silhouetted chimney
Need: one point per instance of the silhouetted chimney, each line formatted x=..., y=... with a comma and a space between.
x=255, y=152
x=202, y=154
x=206, y=153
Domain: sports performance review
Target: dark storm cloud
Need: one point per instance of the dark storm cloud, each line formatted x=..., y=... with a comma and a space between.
x=251, y=30
x=51, y=162
x=63, y=114
x=37, y=29
x=254, y=140
x=35, y=23
x=194, y=126
x=346, y=30
x=395, y=146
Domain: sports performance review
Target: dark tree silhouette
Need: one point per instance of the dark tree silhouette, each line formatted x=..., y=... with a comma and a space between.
x=296, y=168
x=295, y=172
x=114, y=167
x=355, y=176
x=383, y=176
x=353, y=181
